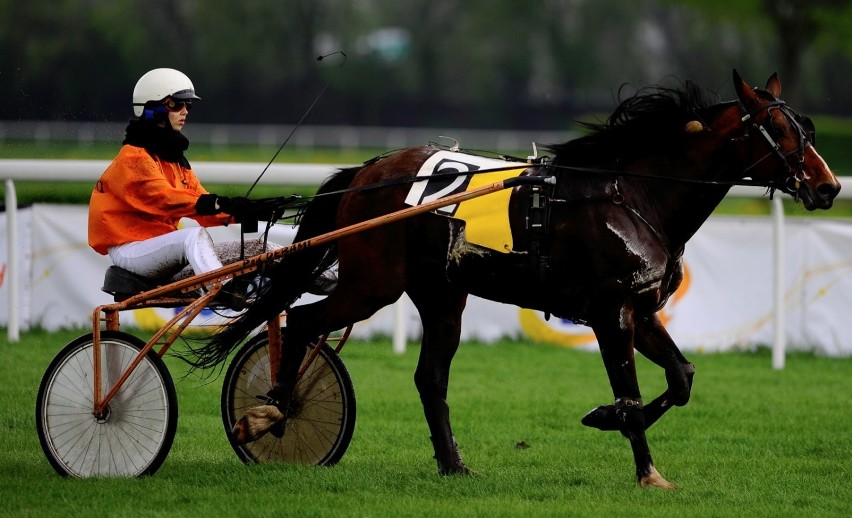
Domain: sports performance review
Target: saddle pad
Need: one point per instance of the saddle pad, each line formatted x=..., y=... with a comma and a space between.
x=486, y=217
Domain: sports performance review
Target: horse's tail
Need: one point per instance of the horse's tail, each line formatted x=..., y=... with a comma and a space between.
x=287, y=279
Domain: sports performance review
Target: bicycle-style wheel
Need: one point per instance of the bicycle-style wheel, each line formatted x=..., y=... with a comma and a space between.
x=321, y=416
x=136, y=432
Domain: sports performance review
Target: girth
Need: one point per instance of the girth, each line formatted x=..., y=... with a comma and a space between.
x=538, y=228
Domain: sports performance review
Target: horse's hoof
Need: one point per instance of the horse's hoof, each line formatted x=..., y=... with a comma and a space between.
x=602, y=418
x=654, y=479
x=256, y=423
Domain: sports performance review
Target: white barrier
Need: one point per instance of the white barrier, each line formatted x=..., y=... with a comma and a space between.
x=210, y=172
x=292, y=174
x=725, y=302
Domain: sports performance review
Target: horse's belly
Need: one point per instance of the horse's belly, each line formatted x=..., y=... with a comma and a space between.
x=561, y=285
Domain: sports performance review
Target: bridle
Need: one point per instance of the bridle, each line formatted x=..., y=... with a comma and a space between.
x=806, y=136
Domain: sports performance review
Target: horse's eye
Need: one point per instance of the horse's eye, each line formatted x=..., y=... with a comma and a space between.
x=808, y=127
x=776, y=128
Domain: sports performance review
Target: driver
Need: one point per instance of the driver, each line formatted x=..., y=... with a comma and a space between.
x=138, y=201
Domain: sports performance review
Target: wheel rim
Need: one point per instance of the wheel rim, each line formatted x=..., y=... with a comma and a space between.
x=123, y=442
x=313, y=432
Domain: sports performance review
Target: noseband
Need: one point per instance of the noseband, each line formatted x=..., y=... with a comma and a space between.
x=805, y=129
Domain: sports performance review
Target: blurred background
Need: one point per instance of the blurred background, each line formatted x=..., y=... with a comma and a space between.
x=534, y=64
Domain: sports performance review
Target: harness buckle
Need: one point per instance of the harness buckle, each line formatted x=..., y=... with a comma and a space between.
x=793, y=184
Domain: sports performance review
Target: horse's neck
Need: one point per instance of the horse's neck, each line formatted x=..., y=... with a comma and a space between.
x=703, y=174
x=684, y=209
x=678, y=207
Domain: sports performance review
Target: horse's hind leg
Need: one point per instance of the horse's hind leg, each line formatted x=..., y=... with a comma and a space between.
x=615, y=337
x=441, y=318
x=271, y=416
x=304, y=324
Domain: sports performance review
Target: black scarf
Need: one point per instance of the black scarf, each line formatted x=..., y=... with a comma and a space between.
x=163, y=142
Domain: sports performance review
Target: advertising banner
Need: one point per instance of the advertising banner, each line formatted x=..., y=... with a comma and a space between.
x=725, y=302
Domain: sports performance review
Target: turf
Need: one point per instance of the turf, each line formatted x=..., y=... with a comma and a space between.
x=752, y=442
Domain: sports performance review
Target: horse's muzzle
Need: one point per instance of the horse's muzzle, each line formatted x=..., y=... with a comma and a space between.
x=820, y=196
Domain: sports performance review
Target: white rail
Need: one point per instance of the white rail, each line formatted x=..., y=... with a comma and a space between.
x=313, y=174
x=210, y=172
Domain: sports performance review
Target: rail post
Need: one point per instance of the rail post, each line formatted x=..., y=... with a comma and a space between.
x=400, y=329
x=779, y=329
x=12, y=275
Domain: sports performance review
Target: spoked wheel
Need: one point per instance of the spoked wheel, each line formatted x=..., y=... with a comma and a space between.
x=320, y=418
x=135, y=433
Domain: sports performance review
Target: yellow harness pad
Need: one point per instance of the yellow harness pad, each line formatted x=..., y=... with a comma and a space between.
x=486, y=217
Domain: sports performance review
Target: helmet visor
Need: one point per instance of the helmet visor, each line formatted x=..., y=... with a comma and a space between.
x=185, y=94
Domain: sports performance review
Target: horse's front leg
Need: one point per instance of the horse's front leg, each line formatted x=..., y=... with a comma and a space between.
x=441, y=333
x=615, y=337
x=654, y=342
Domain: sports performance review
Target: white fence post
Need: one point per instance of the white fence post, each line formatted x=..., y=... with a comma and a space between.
x=780, y=334
x=400, y=330
x=12, y=271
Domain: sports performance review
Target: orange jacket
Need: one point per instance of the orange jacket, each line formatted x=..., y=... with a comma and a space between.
x=139, y=197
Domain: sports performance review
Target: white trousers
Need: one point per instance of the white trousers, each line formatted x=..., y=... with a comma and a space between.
x=164, y=256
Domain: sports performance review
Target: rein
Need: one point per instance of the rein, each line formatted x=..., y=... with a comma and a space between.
x=542, y=163
x=791, y=184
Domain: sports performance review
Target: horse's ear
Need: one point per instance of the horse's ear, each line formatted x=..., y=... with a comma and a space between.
x=744, y=91
x=773, y=85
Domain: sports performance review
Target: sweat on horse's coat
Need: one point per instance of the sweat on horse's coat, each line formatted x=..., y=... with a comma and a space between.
x=646, y=278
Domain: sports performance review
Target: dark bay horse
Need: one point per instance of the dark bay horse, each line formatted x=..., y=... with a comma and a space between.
x=627, y=198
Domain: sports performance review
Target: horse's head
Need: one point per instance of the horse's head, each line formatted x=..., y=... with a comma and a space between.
x=781, y=142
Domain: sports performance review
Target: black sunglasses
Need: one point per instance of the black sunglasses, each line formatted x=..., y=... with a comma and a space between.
x=176, y=105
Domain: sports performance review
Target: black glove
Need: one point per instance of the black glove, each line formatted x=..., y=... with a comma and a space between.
x=206, y=205
x=245, y=211
x=209, y=204
x=238, y=207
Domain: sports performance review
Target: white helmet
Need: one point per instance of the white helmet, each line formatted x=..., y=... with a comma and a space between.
x=158, y=84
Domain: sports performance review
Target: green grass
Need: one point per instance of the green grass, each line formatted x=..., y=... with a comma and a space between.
x=752, y=442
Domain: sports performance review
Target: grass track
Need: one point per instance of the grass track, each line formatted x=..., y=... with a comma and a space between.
x=752, y=442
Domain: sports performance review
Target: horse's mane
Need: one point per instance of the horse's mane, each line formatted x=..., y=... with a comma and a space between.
x=651, y=118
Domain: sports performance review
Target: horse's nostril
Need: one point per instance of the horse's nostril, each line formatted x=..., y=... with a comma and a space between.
x=827, y=190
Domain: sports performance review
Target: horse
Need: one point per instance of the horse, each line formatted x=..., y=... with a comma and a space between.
x=605, y=250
